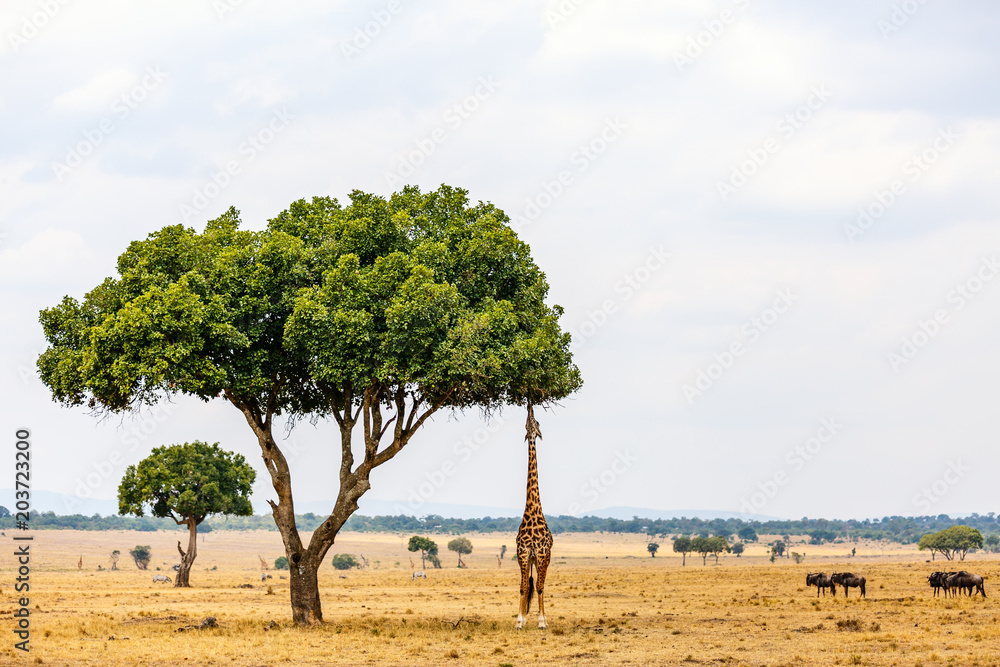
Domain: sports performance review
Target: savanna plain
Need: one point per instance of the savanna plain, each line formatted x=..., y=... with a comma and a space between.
x=607, y=603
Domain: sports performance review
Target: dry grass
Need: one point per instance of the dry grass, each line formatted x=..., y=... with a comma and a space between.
x=623, y=609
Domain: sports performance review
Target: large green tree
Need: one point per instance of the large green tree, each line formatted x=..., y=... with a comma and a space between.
x=187, y=483
x=376, y=314
x=951, y=542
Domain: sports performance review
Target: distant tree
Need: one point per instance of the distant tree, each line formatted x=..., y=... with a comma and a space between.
x=738, y=549
x=747, y=534
x=951, y=542
x=115, y=555
x=344, y=561
x=141, y=555
x=930, y=543
x=426, y=546
x=460, y=545
x=682, y=545
x=703, y=546
x=778, y=548
x=717, y=545
x=281, y=563
x=652, y=548
x=992, y=542
x=187, y=483
x=797, y=557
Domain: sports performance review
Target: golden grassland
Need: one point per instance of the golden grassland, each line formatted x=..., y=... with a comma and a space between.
x=608, y=603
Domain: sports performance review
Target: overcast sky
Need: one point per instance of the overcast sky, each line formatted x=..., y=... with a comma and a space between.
x=772, y=226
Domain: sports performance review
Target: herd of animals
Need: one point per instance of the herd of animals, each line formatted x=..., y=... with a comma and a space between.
x=952, y=582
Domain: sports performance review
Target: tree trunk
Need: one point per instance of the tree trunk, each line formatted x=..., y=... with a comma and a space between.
x=304, y=585
x=684, y=558
x=187, y=559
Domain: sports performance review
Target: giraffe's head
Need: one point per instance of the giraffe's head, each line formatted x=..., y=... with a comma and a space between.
x=531, y=426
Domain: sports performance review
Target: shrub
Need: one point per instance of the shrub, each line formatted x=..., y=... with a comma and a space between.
x=344, y=561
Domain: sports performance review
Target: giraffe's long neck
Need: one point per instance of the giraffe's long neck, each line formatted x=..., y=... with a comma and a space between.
x=533, y=500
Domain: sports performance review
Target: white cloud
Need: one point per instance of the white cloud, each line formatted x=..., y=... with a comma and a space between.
x=97, y=94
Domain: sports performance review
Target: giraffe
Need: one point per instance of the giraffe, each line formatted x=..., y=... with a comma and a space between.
x=534, y=540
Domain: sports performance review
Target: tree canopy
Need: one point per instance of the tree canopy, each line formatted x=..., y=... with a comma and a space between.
x=953, y=541
x=187, y=482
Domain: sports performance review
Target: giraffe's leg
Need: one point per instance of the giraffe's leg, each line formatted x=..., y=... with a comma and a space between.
x=525, y=562
x=541, y=566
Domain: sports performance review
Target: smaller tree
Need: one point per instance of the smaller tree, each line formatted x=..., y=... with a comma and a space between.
x=141, y=555
x=682, y=546
x=344, y=561
x=738, y=549
x=187, y=483
x=652, y=548
x=747, y=534
x=702, y=546
x=797, y=557
x=717, y=545
x=281, y=563
x=115, y=555
x=427, y=548
x=951, y=542
x=778, y=548
x=460, y=545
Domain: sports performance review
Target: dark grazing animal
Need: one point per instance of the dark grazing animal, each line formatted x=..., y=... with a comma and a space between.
x=972, y=583
x=937, y=582
x=821, y=581
x=849, y=580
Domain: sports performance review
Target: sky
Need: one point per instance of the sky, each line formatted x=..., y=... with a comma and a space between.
x=772, y=226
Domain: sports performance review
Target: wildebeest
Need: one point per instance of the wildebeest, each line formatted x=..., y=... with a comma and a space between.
x=821, y=581
x=849, y=580
x=161, y=577
x=972, y=583
x=937, y=582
